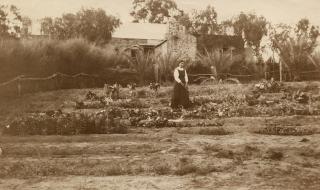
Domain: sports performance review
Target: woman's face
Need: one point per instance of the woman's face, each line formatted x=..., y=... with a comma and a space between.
x=181, y=64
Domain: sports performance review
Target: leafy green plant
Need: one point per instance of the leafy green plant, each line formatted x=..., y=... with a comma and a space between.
x=67, y=124
x=295, y=46
x=162, y=169
x=315, y=59
x=166, y=63
x=142, y=63
x=39, y=58
x=285, y=130
x=213, y=131
x=217, y=61
x=185, y=166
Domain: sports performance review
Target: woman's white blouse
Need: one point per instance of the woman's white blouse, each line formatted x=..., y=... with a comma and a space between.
x=176, y=75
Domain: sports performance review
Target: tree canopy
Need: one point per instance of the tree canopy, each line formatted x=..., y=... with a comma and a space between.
x=160, y=11
x=10, y=21
x=295, y=45
x=251, y=27
x=26, y=26
x=205, y=21
x=91, y=24
x=153, y=11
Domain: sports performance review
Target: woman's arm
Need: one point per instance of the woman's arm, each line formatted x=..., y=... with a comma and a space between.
x=176, y=76
x=186, y=77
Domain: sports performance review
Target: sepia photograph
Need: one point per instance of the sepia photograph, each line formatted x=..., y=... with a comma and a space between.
x=159, y=95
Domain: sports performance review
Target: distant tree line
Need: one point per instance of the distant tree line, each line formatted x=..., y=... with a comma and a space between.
x=10, y=20
x=202, y=22
x=295, y=45
x=93, y=25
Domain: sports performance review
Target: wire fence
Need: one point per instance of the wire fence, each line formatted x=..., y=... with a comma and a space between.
x=291, y=75
x=286, y=76
x=22, y=85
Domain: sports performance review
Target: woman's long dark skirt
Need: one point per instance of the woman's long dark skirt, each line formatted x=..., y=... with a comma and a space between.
x=180, y=97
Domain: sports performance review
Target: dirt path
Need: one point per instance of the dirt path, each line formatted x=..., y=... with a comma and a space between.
x=161, y=159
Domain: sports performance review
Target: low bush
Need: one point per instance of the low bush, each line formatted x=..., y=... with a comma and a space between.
x=141, y=93
x=162, y=169
x=132, y=103
x=274, y=154
x=39, y=58
x=186, y=169
x=213, y=131
x=286, y=130
x=66, y=124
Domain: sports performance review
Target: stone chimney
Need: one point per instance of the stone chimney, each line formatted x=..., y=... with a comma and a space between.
x=180, y=42
x=175, y=29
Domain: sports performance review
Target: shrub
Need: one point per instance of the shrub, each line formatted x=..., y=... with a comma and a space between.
x=186, y=169
x=132, y=103
x=67, y=124
x=166, y=64
x=162, y=169
x=45, y=57
x=185, y=166
x=115, y=170
x=286, y=130
x=274, y=154
x=143, y=65
x=141, y=93
x=295, y=46
x=217, y=61
x=213, y=131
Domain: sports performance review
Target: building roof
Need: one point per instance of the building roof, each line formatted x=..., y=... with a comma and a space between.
x=141, y=31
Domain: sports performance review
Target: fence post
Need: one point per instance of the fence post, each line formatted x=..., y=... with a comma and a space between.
x=19, y=87
x=266, y=75
x=280, y=68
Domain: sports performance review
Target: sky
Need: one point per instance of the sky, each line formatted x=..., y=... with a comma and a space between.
x=276, y=11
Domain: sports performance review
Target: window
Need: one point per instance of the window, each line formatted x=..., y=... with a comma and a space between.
x=117, y=50
x=148, y=50
x=134, y=53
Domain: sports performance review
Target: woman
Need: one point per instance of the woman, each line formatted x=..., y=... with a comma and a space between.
x=180, y=90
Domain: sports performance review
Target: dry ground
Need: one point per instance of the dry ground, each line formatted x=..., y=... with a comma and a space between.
x=168, y=158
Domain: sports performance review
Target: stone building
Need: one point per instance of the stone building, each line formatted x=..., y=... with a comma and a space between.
x=131, y=37
x=181, y=43
x=172, y=38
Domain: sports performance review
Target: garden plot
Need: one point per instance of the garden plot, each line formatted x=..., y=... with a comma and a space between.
x=223, y=142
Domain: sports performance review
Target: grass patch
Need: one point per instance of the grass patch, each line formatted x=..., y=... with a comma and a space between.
x=186, y=169
x=77, y=138
x=243, y=153
x=207, y=169
x=286, y=131
x=310, y=152
x=57, y=167
x=213, y=131
x=162, y=169
x=185, y=166
x=115, y=170
x=204, y=131
x=222, y=153
x=274, y=154
x=75, y=149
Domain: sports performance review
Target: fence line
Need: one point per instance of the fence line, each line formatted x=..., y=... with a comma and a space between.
x=198, y=77
x=288, y=75
x=21, y=85
x=305, y=75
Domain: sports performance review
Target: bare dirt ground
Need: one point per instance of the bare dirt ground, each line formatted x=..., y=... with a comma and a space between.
x=168, y=158
x=163, y=159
